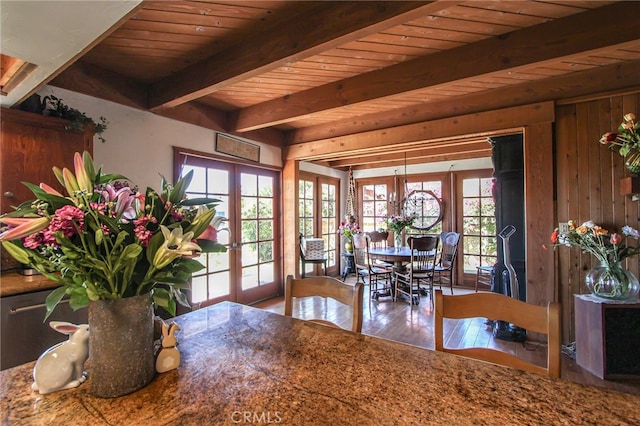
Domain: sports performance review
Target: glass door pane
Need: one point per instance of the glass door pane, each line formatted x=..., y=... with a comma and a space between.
x=247, y=272
x=478, y=224
x=257, y=222
x=214, y=281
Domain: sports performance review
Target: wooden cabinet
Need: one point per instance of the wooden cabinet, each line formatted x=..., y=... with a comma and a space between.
x=608, y=337
x=31, y=144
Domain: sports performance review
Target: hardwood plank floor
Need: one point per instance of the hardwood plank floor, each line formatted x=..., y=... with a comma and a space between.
x=413, y=325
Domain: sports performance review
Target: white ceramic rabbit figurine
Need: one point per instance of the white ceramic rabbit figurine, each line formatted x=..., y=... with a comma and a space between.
x=169, y=356
x=61, y=366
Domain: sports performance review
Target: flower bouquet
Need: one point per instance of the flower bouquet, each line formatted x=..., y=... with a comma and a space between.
x=627, y=139
x=609, y=280
x=397, y=223
x=105, y=240
x=348, y=229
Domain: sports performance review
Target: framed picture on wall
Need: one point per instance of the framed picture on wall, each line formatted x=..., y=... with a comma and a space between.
x=238, y=148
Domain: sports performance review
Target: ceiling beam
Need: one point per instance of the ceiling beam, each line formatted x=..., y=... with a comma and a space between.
x=607, y=26
x=424, y=153
x=98, y=82
x=581, y=83
x=325, y=26
x=503, y=119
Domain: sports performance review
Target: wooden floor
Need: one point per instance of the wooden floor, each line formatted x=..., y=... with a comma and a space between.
x=401, y=322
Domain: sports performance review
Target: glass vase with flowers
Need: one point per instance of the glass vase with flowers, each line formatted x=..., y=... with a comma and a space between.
x=397, y=224
x=608, y=280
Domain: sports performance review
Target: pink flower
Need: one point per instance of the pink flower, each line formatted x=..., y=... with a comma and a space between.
x=211, y=234
x=69, y=220
x=615, y=238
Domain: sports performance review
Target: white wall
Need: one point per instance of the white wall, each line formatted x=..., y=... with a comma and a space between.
x=140, y=144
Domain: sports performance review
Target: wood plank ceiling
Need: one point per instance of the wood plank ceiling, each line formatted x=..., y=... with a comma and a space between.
x=301, y=72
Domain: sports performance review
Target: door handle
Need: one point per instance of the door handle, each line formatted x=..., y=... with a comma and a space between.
x=14, y=311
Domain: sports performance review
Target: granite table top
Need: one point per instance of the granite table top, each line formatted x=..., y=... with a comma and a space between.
x=246, y=365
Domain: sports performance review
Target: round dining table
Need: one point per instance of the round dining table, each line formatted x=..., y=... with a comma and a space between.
x=399, y=256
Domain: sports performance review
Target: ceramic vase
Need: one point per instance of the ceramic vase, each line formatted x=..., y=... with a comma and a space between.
x=348, y=246
x=612, y=281
x=121, y=358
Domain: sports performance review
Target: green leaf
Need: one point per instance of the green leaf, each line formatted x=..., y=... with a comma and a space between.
x=79, y=300
x=201, y=223
x=88, y=166
x=132, y=251
x=181, y=298
x=199, y=201
x=54, y=200
x=110, y=177
x=53, y=299
x=170, y=281
x=190, y=265
x=154, y=244
x=163, y=298
x=180, y=188
x=209, y=246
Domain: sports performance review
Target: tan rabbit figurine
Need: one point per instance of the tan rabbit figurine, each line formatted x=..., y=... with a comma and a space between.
x=169, y=356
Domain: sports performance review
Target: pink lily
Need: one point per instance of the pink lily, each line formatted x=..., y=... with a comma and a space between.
x=82, y=177
x=70, y=181
x=49, y=190
x=27, y=227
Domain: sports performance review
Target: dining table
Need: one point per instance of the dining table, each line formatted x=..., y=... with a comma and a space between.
x=399, y=256
x=241, y=364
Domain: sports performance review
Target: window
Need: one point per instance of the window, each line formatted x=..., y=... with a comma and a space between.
x=375, y=204
x=305, y=208
x=434, y=186
x=478, y=223
x=328, y=207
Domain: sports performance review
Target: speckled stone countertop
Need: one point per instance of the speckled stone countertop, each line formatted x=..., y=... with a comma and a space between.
x=245, y=365
x=13, y=283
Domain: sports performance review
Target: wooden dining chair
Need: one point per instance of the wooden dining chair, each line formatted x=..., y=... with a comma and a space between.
x=447, y=261
x=379, y=277
x=328, y=288
x=539, y=319
x=420, y=270
x=378, y=240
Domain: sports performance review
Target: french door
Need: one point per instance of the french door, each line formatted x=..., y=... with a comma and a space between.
x=250, y=269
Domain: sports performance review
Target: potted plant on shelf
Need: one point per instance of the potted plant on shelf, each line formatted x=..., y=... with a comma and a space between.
x=79, y=120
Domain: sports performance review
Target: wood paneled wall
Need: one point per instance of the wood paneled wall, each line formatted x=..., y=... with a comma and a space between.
x=588, y=187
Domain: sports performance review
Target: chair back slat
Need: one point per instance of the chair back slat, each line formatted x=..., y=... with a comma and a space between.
x=423, y=253
x=494, y=306
x=326, y=287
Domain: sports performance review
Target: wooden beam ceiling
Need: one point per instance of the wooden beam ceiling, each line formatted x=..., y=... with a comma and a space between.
x=325, y=25
x=609, y=25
